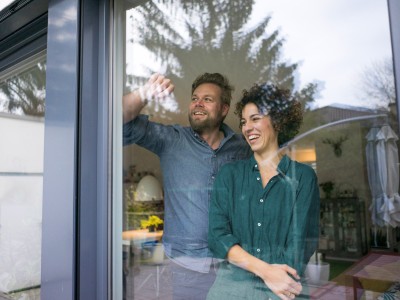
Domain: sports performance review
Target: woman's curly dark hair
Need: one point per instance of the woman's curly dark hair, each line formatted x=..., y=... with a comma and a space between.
x=285, y=112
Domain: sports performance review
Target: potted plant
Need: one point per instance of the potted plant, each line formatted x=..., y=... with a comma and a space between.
x=317, y=271
x=153, y=223
x=327, y=187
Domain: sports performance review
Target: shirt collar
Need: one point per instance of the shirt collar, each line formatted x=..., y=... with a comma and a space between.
x=228, y=132
x=282, y=168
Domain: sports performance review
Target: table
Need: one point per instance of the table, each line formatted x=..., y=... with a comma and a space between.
x=142, y=234
x=135, y=239
x=379, y=266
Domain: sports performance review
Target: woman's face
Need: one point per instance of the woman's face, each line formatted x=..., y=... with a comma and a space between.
x=258, y=130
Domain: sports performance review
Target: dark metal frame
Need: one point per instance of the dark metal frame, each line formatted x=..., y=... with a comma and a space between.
x=23, y=33
x=76, y=245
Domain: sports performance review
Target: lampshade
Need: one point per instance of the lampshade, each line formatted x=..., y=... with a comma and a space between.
x=305, y=155
x=149, y=189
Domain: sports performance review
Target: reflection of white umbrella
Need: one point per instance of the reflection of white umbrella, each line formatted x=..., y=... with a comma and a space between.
x=387, y=143
x=383, y=176
x=374, y=182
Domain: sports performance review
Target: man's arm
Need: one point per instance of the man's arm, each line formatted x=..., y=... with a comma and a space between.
x=157, y=87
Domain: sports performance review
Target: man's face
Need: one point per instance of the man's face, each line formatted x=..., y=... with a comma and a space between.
x=206, y=110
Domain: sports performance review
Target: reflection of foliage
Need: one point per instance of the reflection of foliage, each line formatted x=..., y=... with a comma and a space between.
x=377, y=82
x=327, y=187
x=306, y=96
x=25, y=93
x=130, y=193
x=212, y=36
x=140, y=210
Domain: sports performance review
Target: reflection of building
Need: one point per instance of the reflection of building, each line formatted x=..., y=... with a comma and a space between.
x=340, y=160
x=306, y=149
x=336, y=112
x=340, y=149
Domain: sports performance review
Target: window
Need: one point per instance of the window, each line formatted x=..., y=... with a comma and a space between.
x=337, y=62
x=22, y=105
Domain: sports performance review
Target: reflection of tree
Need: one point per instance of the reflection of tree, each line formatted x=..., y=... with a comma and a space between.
x=25, y=93
x=377, y=83
x=191, y=37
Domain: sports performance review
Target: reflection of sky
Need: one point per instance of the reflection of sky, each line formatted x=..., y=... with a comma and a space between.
x=4, y=3
x=335, y=40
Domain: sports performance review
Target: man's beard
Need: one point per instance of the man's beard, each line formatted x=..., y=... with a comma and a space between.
x=203, y=125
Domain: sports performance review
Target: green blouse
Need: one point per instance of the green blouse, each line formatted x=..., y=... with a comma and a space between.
x=278, y=224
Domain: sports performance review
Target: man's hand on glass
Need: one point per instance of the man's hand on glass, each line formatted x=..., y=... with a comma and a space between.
x=158, y=87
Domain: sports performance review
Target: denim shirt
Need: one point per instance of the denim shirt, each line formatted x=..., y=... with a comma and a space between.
x=189, y=167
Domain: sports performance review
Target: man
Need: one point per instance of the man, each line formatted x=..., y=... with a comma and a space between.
x=190, y=158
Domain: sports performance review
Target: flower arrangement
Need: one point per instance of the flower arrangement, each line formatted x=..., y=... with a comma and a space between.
x=152, y=223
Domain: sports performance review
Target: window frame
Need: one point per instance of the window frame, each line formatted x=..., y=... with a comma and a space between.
x=23, y=33
x=78, y=116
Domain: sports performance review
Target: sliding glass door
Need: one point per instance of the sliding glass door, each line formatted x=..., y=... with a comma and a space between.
x=330, y=55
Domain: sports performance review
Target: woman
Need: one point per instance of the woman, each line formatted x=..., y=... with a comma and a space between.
x=264, y=212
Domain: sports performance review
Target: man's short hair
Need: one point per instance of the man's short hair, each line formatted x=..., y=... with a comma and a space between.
x=219, y=80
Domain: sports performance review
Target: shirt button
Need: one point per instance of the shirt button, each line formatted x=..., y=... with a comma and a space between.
x=261, y=200
x=212, y=177
x=259, y=224
x=258, y=178
x=258, y=249
x=256, y=166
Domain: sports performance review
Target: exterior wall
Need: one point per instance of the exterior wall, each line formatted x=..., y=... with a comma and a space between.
x=21, y=181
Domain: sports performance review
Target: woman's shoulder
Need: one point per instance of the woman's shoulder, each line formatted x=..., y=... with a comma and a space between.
x=303, y=168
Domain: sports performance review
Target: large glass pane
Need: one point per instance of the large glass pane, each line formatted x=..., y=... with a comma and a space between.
x=22, y=110
x=334, y=59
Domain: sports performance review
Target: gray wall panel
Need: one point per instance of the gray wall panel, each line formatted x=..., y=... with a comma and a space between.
x=59, y=208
